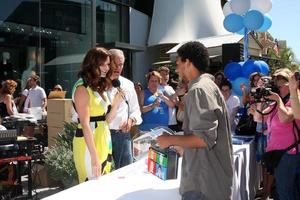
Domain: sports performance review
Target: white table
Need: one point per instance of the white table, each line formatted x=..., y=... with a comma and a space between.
x=130, y=182
x=134, y=182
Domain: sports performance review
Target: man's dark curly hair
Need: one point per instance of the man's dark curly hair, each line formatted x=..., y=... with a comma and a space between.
x=88, y=72
x=197, y=53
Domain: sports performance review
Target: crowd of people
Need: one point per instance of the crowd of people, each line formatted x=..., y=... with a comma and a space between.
x=110, y=107
x=273, y=103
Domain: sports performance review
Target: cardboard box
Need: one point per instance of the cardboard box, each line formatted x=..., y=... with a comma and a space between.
x=56, y=119
x=52, y=132
x=62, y=106
x=58, y=112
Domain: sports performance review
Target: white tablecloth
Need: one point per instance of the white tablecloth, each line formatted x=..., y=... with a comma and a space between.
x=247, y=172
x=133, y=182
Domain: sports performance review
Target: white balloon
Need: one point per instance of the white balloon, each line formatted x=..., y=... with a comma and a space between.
x=240, y=7
x=227, y=9
x=263, y=6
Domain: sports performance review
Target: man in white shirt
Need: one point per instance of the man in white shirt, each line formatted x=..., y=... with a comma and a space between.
x=128, y=113
x=170, y=93
x=36, y=95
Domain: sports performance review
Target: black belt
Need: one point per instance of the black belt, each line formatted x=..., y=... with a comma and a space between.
x=96, y=118
x=115, y=130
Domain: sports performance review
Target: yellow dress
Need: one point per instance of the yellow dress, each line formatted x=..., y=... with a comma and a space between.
x=98, y=108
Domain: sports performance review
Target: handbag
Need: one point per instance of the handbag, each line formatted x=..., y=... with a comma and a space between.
x=246, y=125
x=272, y=158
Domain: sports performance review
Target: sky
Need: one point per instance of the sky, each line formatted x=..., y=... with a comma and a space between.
x=285, y=15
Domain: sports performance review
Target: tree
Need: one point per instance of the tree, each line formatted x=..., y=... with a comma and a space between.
x=284, y=58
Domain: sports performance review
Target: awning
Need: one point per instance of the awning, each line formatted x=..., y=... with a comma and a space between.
x=69, y=59
x=214, y=41
x=122, y=45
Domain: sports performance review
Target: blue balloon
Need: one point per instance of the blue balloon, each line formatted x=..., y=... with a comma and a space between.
x=266, y=25
x=249, y=67
x=253, y=20
x=233, y=22
x=236, y=85
x=233, y=70
x=264, y=67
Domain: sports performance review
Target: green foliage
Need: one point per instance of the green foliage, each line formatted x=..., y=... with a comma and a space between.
x=59, y=158
x=285, y=59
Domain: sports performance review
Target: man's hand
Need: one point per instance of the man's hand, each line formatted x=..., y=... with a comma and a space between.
x=179, y=150
x=163, y=141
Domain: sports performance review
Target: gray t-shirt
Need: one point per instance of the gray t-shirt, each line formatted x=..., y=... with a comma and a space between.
x=207, y=170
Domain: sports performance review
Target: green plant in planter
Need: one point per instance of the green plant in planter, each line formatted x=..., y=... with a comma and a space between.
x=59, y=158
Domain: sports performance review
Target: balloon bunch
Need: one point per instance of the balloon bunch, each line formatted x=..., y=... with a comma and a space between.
x=242, y=16
x=239, y=73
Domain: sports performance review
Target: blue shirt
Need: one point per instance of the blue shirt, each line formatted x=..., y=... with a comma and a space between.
x=158, y=116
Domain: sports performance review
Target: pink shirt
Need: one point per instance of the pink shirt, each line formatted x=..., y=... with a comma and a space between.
x=281, y=135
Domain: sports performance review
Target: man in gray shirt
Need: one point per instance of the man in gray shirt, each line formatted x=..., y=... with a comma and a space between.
x=207, y=169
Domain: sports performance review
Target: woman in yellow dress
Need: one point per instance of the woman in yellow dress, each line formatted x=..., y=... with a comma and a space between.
x=92, y=145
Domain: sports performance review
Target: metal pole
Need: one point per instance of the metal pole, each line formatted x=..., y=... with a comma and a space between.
x=246, y=44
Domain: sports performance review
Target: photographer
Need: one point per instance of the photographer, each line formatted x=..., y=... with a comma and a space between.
x=256, y=95
x=282, y=134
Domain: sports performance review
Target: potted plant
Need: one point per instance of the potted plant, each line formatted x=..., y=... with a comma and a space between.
x=59, y=158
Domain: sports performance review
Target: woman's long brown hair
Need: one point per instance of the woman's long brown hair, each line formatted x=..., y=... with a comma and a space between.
x=91, y=62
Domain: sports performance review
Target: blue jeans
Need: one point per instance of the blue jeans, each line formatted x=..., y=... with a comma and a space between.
x=121, y=148
x=193, y=195
x=261, y=144
x=286, y=177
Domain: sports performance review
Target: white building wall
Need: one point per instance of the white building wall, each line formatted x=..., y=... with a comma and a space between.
x=139, y=29
x=176, y=21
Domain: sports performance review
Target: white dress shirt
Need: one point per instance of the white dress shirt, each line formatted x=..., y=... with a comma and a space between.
x=122, y=113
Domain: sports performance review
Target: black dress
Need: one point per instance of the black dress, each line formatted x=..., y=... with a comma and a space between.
x=3, y=110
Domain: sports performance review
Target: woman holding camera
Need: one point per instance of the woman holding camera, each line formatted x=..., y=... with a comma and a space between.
x=282, y=134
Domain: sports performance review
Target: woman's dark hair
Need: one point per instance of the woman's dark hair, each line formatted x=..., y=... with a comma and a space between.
x=226, y=82
x=219, y=73
x=88, y=72
x=252, y=76
x=197, y=53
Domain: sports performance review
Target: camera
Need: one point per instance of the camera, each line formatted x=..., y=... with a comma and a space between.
x=259, y=93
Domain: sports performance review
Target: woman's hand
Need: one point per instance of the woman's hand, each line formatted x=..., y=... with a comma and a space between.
x=96, y=166
x=243, y=87
x=273, y=96
x=293, y=84
x=156, y=102
x=119, y=97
